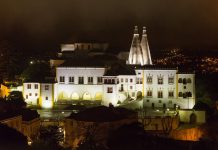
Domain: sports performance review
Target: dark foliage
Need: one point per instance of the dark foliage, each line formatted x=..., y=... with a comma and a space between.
x=11, y=139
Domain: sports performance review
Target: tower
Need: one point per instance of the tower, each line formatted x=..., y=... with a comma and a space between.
x=145, y=48
x=135, y=54
x=139, y=51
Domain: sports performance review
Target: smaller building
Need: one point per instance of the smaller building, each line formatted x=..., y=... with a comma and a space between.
x=99, y=121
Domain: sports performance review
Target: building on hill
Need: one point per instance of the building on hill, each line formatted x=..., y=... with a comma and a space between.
x=100, y=77
x=98, y=121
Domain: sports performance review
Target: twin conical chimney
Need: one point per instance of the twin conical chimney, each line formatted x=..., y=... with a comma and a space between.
x=139, y=51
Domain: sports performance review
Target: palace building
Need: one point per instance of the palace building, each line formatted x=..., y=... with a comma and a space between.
x=114, y=83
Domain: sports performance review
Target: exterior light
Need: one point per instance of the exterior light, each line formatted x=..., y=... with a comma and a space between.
x=157, y=110
x=31, y=62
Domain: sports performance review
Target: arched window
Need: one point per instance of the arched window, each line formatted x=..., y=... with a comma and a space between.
x=189, y=80
x=184, y=81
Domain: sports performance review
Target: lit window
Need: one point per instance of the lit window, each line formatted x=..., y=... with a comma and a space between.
x=149, y=80
x=28, y=86
x=90, y=80
x=138, y=80
x=109, y=90
x=71, y=79
x=36, y=86
x=160, y=94
x=170, y=80
x=126, y=80
x=62, y=79
x=81, y=80
x=99, y=80
x=46, y=87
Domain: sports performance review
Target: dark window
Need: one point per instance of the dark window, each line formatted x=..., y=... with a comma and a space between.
x=46, y=87
x=180, y=80
x=171, y=94
x=99, y=80
x=36, y=86
x=30, y=94
x=36, y=94
x=109, y=90
x=180, y=94
x=81, y=80
x=71, y=79
x=126, y=80
x=149, y=93
x=160, y=94
x=28, y=86
x=90, y=80
x=46, y=98
x=184, y=81
x=160, y=80
x=131, y=80
x=121, y=88
x=171, y=80
x=62, y=79
x=189, y=80
x=159, y=101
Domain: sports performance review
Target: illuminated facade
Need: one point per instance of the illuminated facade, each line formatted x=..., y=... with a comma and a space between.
x=137, y=80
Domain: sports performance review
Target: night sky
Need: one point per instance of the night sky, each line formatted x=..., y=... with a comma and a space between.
x=43, y=24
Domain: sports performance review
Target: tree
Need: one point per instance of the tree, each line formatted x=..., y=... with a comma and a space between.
x=36, y=72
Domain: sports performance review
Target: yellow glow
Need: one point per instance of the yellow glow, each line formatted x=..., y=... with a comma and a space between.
x=87, y=96
x=75, y=96
x=98, y=96
x=47, y=104
x=62, y=95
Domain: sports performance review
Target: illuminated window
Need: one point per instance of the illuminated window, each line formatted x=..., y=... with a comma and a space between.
x=71, y=79
x=170, y=94
x=138, y=80
x=46, y=87
x=149, y=80
x=109, y=90
x=28, y=86
x=149, y=93
x=160, y=80
x=170, y=80
x=36, y=86
x=81, y=80
x=160, y=94
x=126, y=80
x=62, y=79
x=90, y=80
x=99, y=80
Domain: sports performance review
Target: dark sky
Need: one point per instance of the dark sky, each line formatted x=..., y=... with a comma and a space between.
x=44, y=24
